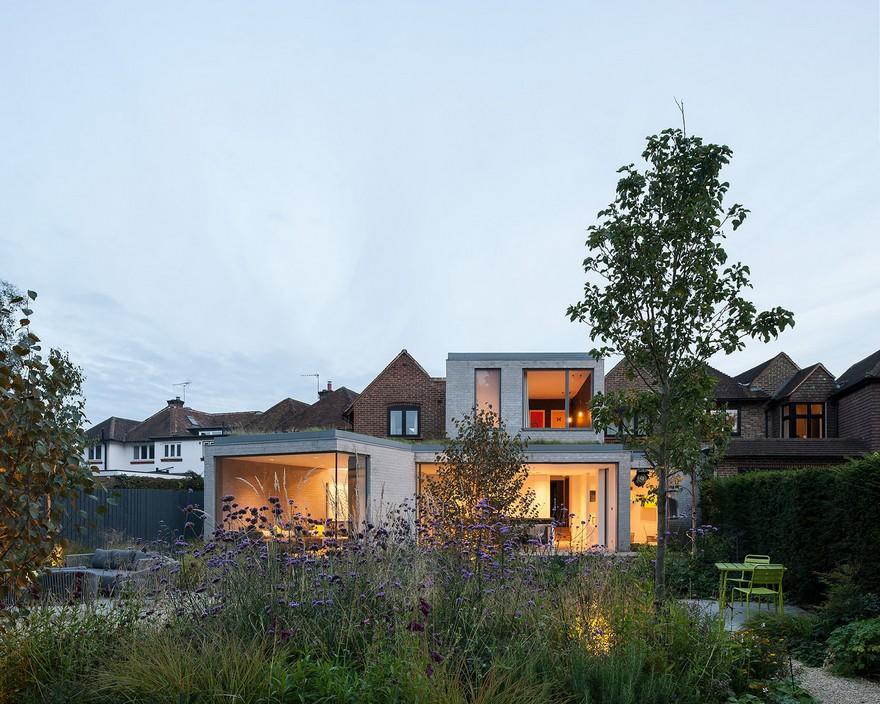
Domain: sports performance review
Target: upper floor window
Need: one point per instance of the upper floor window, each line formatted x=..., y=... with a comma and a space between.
x=558, y=398
x=803, y=420
x=403, y=421
x=487, y=391
x=172, y=449
x=144, y=452
x=95, y=452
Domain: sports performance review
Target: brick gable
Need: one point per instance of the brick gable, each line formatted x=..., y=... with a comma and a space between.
x=775, y=373
x=403, y=382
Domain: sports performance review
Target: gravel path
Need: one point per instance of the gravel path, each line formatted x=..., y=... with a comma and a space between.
x=827, y=688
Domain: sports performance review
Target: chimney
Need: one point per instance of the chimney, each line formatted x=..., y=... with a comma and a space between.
x=175, y=402
x=326, y=391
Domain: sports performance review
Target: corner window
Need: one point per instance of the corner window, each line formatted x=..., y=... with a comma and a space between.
x=95, y=452
x=403, y=421
x=487, y=391
x=172, y=450
x=803, y=420
x=145, y=452
x=558, y=398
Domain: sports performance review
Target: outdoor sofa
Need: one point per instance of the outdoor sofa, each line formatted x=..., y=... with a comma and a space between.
x=111, y=570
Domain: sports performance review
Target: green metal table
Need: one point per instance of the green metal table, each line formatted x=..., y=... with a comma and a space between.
x=724, y=569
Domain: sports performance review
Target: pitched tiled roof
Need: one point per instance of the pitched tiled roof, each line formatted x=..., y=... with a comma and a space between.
x=799, y=377
x=177, y=421
x=112, y=429
x=728, y=389
x=797, y=447
x=278, y=418
x=748, y=376
x=328, y=411
x=863, y=370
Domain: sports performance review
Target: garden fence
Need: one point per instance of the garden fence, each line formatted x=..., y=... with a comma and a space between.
x=133, y=515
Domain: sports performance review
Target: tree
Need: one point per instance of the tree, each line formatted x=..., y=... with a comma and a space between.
x=661, y=293
x=481, y=471
x=41, y=441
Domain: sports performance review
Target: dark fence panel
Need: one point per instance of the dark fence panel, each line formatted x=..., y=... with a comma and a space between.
x=133, y=515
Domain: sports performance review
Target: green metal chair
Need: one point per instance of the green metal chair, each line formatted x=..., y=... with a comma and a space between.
x=743, y=580
x=766, y=580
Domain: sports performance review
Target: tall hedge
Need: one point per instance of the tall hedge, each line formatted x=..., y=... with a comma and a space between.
x=811, y=520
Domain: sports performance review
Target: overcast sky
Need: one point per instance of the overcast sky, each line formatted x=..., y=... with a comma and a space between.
x=236, y=194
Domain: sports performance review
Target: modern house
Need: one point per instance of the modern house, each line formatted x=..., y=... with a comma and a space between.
x=579, y=480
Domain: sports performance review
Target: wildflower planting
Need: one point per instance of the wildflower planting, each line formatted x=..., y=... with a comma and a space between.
x=397, y=611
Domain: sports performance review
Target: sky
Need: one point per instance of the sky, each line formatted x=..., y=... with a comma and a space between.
x=237, y=194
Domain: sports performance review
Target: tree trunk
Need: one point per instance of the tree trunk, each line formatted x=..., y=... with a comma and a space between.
x=660, y=561
x=695, y=516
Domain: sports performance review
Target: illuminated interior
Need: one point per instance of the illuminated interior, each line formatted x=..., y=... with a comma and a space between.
x=570, y=495
x=548, y=405
x=487, y=390
x=316, y=486
x=643, y=511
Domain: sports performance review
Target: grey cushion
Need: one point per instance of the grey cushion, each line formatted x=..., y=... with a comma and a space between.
x=113, y=559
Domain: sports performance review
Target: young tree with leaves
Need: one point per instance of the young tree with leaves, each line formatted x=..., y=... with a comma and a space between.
x=661, y=292
x=481, y=471
x=41, y=441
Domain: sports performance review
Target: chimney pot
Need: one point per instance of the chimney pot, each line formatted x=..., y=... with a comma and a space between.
x=175, y=402
x=329, y=386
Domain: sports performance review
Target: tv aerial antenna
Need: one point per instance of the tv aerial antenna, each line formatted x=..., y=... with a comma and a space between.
x=317, y=381
x=182, y=385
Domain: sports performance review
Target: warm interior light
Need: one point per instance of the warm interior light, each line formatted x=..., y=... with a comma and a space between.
x=641, y=477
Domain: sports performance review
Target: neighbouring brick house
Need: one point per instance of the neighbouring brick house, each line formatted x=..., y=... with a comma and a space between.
x=858, y=401
x=789, y=417
x=403, y=401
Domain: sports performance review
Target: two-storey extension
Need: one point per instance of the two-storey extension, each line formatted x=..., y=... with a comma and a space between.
x=582, y=484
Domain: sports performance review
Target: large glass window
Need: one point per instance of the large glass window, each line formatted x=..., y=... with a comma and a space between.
x=803, y=420
x=403, y=421
x=558, y=398
x=487, y=390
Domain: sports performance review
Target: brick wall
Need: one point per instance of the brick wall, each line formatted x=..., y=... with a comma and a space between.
x=771, y=379
x=403, y=382
x=751, y=420
x=859, y=415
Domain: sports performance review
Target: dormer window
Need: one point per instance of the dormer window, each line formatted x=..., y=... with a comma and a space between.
x=803, y=420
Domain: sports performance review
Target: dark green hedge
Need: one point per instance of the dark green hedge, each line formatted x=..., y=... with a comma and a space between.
x=122, y=481
x=811, y=520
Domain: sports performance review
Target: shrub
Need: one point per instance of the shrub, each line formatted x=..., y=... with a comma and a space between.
x=377, y=618
x=854, y=649
x=811, y=520
x=802, y=636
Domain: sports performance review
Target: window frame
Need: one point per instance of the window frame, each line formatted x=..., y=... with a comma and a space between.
x=144, y=452
x=175, y=450
x=790, y=416
x=496, y=410
x=526, y=421
x=403, y=408
x=96, y=453
x=737, y=426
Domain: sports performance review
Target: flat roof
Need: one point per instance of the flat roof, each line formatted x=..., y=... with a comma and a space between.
x=521, y=356
x=308, y=435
